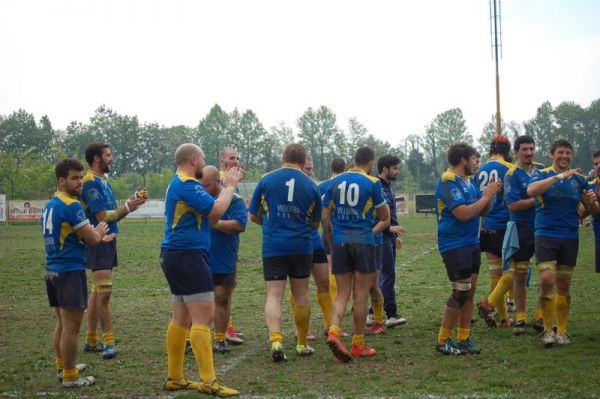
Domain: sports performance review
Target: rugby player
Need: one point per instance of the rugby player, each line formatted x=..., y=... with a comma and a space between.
x=350, y=206
x=558, y=192
x=592, y=209
x=101, y=206
x=64, y=222
x=287, y=204
x=459, y=204
x=184, y=258
x=493, y=227
x=224, y=246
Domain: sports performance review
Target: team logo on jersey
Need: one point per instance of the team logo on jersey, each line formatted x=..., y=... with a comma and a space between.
x=93, y=194
x=198, y=189
x=456, y=194
x=81, y=215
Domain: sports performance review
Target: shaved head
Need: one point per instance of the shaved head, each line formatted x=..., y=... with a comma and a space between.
x=185, y=152
x=211, y=180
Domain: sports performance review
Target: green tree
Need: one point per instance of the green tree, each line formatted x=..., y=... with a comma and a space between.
x=215, y=133
x=446, y=129
x=19, y=131
x=317, y=132
x=542, y=127
x=251, y=135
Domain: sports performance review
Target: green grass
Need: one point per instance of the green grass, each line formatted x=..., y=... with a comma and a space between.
x=406, y=364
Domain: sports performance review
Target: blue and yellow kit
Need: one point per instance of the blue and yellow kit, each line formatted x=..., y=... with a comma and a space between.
x=592, y=185
x=288, y=202
x=187, y=205
x=224, y=247
x=62, y=216
x=353, y=198
x=556, y=210
x=451, y=191
x=515, y=189
x=494, y=169
x=97, y=196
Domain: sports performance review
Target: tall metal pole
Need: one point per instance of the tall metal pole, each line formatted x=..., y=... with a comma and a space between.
x=496, y=44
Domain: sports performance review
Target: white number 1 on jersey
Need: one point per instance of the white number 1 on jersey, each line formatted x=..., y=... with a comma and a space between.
x=290, y=184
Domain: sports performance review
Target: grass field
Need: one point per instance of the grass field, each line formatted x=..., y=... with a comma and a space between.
x=406, y=364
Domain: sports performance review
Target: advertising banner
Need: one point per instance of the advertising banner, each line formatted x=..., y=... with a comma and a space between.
x=402, y=204
x=425, y=203
x=25, y=210
x=3, y=208
x=151, y=209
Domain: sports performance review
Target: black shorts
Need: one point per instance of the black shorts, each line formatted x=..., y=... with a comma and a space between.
x=319, y=256
x=526, y=244
x=462, y=262
x=490, y=240
x=67, y=290
x=280, y=267
x=187, y=272
x=349, y=258
x=379, y=256
x=563, y=251
x=102, y=256
x=224, y=279
x=325, y=246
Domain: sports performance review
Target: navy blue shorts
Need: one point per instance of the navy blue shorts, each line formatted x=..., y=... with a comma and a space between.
x=462, y=262
x=526, y=244
x=319, y=256
x=280, y=267
x=187, y=271
x=563, y=251
x=490, y=240
x=67, y=290
x=350, y=258
x=102, y=256
x=224, y=279
x=379, y=256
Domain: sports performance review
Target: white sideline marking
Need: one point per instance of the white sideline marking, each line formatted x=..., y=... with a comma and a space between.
x=235, y=361
x=418, y=256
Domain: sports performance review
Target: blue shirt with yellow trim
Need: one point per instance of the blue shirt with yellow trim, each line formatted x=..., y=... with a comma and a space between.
x=223, y=246
x=353, y=198
x=97, y=196
x=556, y=210
x=515, y=189
x=222, y=179
x=494, y=169
x=453, y=190
x=61, y=218
x=187, y=205
x=289, y=202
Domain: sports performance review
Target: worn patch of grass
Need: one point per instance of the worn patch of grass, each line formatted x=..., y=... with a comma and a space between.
x=406, y=364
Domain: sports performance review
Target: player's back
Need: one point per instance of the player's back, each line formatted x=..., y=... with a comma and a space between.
x=494, y=170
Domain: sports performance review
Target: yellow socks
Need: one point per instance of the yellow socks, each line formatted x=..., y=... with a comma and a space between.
x=358, y=340
x=494, y=264
x=326, y=307
x=220, y=336
x=91, y=338
x=58, y=362
x=302, y=319
x=378, y=310
x=202, y=347
x=292, y=302
x=522, y=316
x=463, y=333
x=496, y=298
x=108, y=338
x=332, y=287
x=275, y=336
x=230, y=322
x=563, y=303
x=70, y=374
x=175, y=350
x=443, y=335
x=335, y=330
x=547, y=304
x=539, y=313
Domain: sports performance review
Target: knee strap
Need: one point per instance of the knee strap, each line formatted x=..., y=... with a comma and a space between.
x=102, y=286
x=548, y=266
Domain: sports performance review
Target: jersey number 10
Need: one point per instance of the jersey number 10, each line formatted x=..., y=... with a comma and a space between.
x=349, y=195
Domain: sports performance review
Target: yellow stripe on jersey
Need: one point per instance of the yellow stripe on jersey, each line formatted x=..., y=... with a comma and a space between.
x=65, y=198
x=448, y=175
x=264, y=205
x=185, y=177
x=441, y=207
x=499, y=159
x=548, y=169
x=65, y=230
x=181, y=208
x=368, y=205
x=311, y=208
x=373, y=179
x=540, y=200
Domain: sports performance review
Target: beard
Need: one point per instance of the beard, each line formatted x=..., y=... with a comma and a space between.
x=198, y=175
x=104, y=167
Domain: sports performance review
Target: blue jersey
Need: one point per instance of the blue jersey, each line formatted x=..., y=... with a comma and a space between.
x=453, y=190
x=61, y=218
x=515, y=189
x=187, y=205
x=593, y=184
x=324, y=186
x=223, y=246
x=353, y=198
x=556, y=210
x=222, y=178
x=494, y=169
x=97, y=196
x=288, y=202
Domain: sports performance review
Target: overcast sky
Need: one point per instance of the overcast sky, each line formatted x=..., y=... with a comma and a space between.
x=392, y=64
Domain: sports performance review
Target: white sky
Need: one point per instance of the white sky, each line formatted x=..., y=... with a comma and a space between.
x=393, y=64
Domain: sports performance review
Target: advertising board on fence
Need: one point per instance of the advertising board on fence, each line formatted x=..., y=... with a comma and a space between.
x=25, y=210
x=424, y=203
x=151, y=209
x=402, y=204
x=3, y=208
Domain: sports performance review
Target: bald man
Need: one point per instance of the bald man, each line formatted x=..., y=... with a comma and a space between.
x=224, y=246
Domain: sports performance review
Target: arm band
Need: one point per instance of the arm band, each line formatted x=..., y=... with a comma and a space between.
x=127, y=206
x=111, y=216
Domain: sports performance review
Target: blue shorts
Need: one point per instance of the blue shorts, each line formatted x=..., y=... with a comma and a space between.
x=187, y=272
x=379, y=256
x=67, y=290
x=351, y=258
x=526, y=244
x=280, y=267
x=563, y=251
x=224, y=279
x=102, y=256
x=462, y=262
x=319, y=256
x=490, y=240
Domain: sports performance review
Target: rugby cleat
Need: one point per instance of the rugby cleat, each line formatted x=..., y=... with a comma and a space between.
x=80, y=382
x=520, y=328
x=538, y=325
x=370, y=320
x=394, y=321
x=469, y=347
x=216, y=389
x=99, y=347
x=220, y=347
x=487, y=313
x=562, y=339
x=449, y=347
x=180, y=385
x=233, y=337
x=79, y=366
x=505, y=323
x=339, y=350
x=362, y=351
x=304, y=350
x=510, y=306
x=375, y=329
x=548, y=339
x=109, y=351
x=277, y=352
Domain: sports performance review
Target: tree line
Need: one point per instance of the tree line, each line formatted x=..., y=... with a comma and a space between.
x=144, y=151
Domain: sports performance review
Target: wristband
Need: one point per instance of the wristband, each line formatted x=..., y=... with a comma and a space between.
x=559, y=177
x=127, y=206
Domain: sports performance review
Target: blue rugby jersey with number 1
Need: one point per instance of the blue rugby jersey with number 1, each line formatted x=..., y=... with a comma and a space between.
x=494, y=169
x=187, y=205
x=453, y=190
x=61, y=218
x=353, y=198
x=288, y=202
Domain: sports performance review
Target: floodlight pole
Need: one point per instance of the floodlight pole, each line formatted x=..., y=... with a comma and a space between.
x=496, y=45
